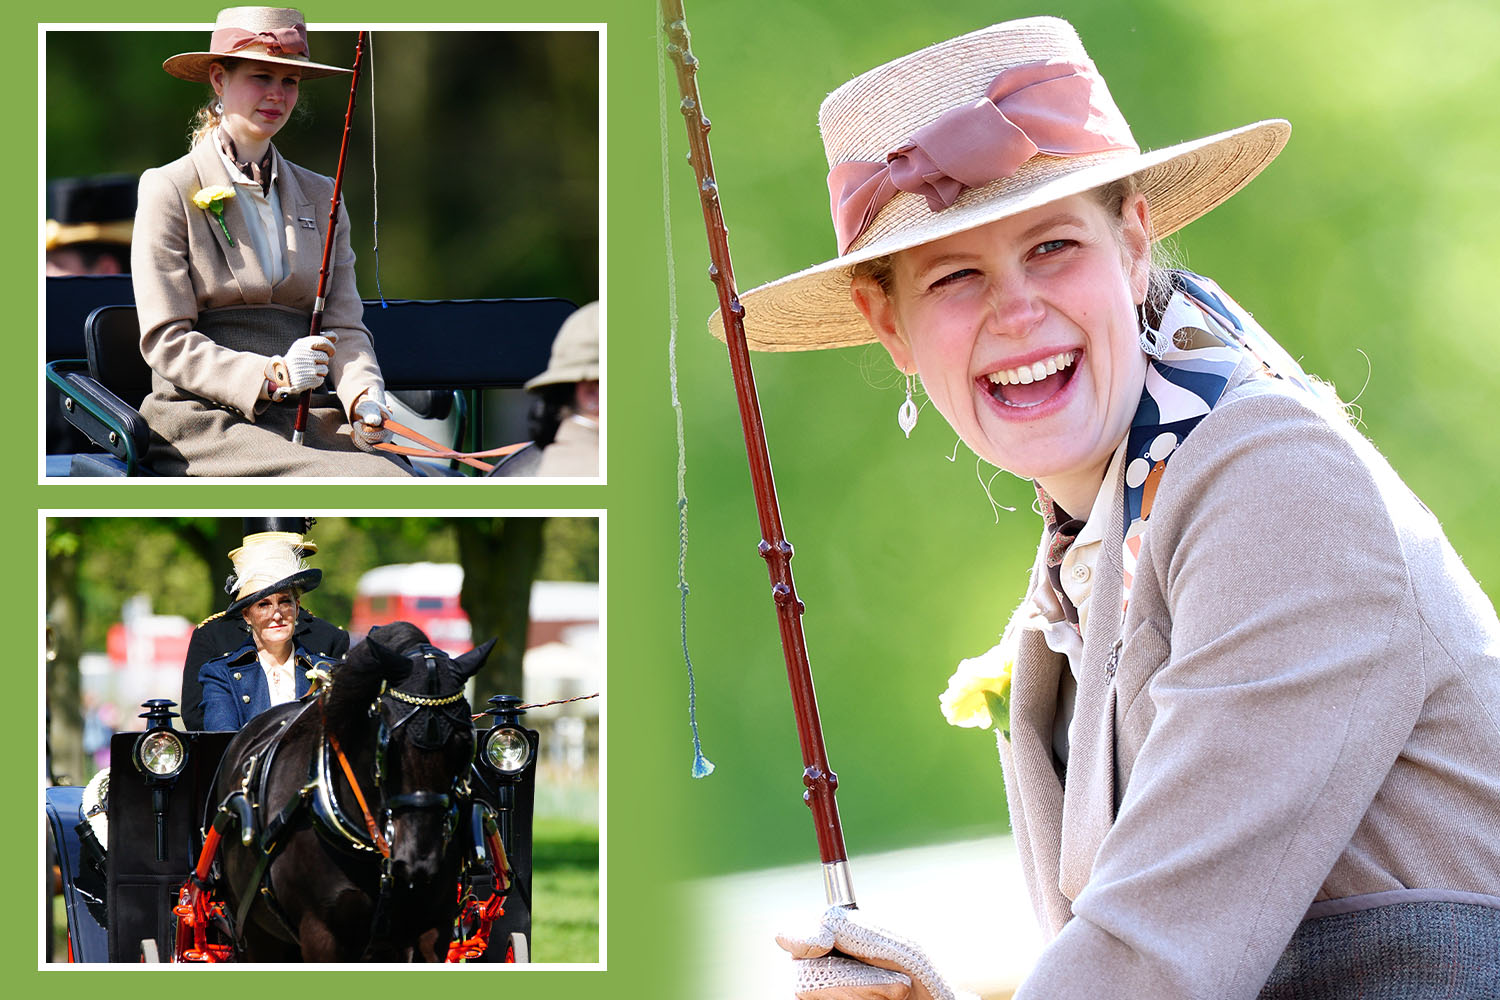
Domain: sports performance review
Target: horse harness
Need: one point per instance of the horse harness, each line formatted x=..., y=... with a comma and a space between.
x=319, y=796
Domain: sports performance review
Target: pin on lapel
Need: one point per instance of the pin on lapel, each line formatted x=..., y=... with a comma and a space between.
x=307, y=223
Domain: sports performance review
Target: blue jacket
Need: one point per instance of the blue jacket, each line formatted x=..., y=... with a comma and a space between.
x=235, y=689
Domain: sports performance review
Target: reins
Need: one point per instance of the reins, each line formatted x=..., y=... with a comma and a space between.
x=381, y=844
x=431, y=449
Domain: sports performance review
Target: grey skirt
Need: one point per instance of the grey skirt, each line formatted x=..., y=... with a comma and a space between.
x=1420, y=950
x=193, y=436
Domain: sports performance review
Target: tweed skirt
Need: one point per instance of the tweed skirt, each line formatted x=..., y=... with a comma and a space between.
x=194, y=436
x=1425, y=950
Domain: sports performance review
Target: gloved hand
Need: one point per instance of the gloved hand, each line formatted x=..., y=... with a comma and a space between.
x=304, y=366
x=847, y=958
x=367, y=422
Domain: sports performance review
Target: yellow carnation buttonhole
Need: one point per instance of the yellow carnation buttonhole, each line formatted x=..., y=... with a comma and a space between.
x=206, y=197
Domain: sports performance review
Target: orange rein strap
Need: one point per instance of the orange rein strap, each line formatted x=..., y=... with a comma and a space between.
x=375, y=834
x=431, y=449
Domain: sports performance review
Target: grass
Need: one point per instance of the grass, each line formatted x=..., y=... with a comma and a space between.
x=565, y=891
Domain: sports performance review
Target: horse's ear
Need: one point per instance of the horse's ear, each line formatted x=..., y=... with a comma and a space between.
x=469, y=663
x=385, y=657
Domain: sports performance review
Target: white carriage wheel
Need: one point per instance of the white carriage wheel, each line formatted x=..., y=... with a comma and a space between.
x=519, y=948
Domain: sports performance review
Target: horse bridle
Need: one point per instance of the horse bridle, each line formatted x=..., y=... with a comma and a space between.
x=424, y=656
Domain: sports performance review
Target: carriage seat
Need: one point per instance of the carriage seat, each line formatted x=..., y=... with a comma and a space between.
x=449, y=348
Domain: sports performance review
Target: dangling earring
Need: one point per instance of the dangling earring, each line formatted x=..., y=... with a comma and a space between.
x=219, y=107
x=906, y=417
x=1153, y=341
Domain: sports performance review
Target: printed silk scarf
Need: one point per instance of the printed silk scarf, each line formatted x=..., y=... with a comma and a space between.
x=1183, y=386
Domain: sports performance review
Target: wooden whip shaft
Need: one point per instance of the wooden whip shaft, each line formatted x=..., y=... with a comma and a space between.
x=300, y=425
x=818, y=777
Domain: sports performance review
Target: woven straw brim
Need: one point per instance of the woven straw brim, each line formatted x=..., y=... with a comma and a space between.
x=194, y=65
x=812, y=309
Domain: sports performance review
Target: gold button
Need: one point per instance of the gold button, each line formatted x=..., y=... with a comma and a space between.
x=236, y=675
x=245, y=698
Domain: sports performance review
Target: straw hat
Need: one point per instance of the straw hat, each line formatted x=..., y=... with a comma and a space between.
x=1054, y=115
x=575, y=351
x=265, y=34
x=269, y=560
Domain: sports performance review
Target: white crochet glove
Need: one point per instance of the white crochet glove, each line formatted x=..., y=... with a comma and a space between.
x=847, y=958
x=367, y=422
x=304, y=366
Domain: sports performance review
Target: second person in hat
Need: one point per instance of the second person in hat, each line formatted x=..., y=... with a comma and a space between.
x=256, y=653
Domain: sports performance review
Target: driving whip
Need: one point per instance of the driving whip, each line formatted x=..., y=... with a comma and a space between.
x=817, y=775
x=300, y=426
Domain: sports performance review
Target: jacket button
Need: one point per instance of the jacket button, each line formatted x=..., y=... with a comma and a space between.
x=245, y=698
x=236, y=675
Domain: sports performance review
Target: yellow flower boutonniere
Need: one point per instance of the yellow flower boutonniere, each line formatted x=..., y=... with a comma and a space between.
x=212, y=198
x=978, y=695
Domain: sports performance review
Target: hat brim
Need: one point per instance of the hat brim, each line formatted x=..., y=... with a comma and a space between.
x=565, y=375
x=812, y=309
x=303, y=580
x=193, y=66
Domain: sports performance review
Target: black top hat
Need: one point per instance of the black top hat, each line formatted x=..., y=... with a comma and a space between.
x=99, y=209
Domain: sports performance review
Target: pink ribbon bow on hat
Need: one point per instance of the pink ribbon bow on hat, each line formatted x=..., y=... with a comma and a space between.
x=278, y=41
x=1057, y=107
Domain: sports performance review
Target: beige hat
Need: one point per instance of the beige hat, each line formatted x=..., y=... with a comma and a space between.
x=265, y=34
x=575, y=352
x=970, y=131
x=269, y=562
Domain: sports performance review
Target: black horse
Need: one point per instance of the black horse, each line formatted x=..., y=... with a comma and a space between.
x=348, y=805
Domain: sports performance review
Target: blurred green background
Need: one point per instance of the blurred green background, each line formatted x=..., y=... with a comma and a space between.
x=487, y=143
x=1367, y=249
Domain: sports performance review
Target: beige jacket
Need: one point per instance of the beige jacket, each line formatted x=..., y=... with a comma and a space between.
x=181, y=265
x=1305, y=707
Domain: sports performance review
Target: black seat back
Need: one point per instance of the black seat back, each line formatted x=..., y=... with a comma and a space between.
x=113, y=341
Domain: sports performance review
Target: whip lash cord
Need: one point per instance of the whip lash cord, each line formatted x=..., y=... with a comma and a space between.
x=702, y=766
x=375, y=175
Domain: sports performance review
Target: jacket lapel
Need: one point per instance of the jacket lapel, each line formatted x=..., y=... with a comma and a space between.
x=1033, y=788
x=1089, y=800
x=243, y=263
x=299, y=221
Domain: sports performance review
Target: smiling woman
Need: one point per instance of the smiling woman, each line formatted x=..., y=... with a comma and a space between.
x=1246, y=711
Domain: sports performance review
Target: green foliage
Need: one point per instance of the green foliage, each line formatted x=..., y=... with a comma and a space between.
x=570, y=549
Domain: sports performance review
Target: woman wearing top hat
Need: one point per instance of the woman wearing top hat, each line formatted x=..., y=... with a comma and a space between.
x=270, y=667
x=223, y=633
x=1253, y=696
x=228, y=243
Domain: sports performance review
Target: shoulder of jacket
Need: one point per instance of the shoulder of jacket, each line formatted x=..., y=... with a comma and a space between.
x=211, y=618
x=244, y=652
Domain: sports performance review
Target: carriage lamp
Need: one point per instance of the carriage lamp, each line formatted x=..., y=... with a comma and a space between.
x=160, y=755
x=506, y=747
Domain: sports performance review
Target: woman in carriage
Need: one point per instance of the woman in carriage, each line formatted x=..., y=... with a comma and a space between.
x=272, y=666
x=225, y=263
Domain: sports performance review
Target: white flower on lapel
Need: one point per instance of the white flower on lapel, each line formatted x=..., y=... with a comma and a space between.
x=212, y=199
